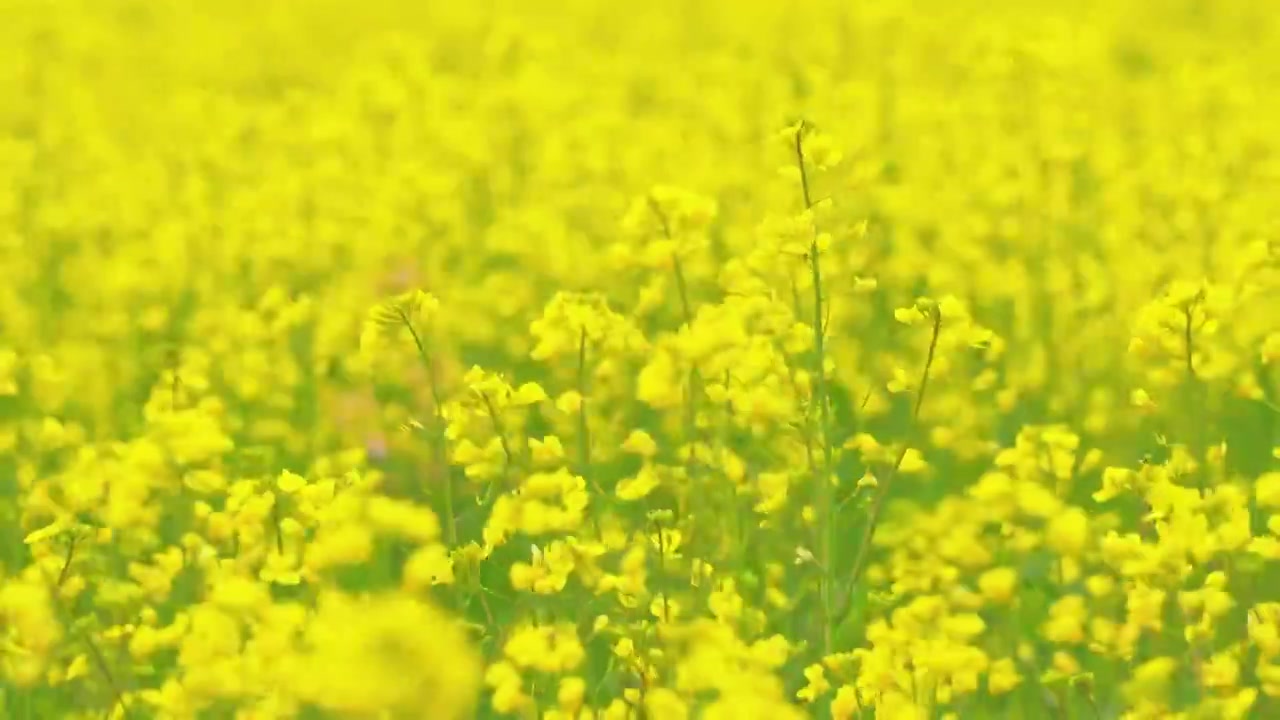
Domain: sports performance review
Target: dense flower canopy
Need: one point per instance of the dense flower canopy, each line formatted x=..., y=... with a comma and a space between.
x=681, y=359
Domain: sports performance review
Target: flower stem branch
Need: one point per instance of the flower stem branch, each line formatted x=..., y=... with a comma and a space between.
x=826, y=517
x=584, y=428
x=693, y=385
x=95, y=653
x=877, y=505
x=1195, y=408
x=437, y=413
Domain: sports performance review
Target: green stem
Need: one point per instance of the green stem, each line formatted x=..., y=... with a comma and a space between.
x=175, y=384
x=451, y=523
x=826, y=518
x=275, y=521
x=499, y=429
x=807, y=430
x=694, y=383
x=99, y=660
x=662, y=571
x=584, y=428
x=1195, y=408
x=66, y=562
x=584, y=425
x=877, y=505
x=681, y=286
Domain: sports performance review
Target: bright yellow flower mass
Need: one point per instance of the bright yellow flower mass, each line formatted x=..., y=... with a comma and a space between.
x=682, y=359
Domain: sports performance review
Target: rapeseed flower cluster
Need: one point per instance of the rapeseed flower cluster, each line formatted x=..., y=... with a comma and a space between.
x=669, y=361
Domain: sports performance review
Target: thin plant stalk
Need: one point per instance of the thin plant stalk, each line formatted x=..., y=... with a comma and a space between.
x=584, y=427
x=693, y=385
x=95, y=653
x=877, y=505
x=826, y=518
x=451, y=523
x=1195, y=408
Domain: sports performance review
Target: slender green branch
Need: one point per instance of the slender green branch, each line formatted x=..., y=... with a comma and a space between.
x=584, y=427
x=694, y=383
x=662, y=569
x=877, y=505
x=826, y=518
x=804, y=174
x=499, y=428
x=1195, y=409
x=275, y=522
x=65, y=572
x=682, y=286
x=430, y=366
x=175, y=383
x=807, y=429
x=1189, y=344
x=95, y=653
x=442, y=464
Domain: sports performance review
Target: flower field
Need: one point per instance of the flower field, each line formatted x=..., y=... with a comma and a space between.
x=681, y=359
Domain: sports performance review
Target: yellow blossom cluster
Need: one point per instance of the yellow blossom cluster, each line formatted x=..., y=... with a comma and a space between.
x=655, y=361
